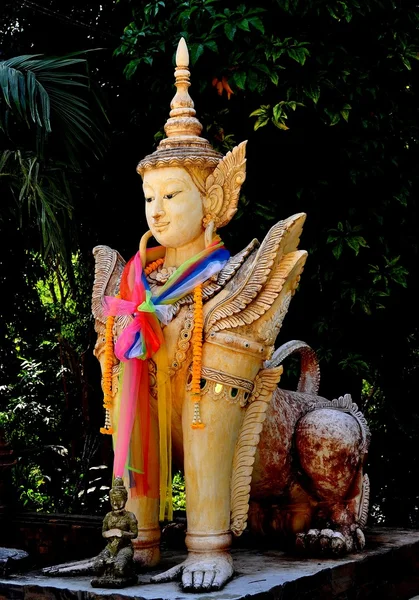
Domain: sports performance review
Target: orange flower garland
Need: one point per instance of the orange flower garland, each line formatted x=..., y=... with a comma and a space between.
x=109, y=360
x=107, y=376
x=197, y=357
x=153, y=266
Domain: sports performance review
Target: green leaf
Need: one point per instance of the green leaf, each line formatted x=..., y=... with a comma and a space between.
x=261, y=123
x=196, y=51
x=278, y=111
x=355, y=243
x=298, y=54
x=280, y=124
x=239, y=79
x=257, y=24
x=212, y=45
x=252, y=80
x=313, y=92
x=334, y=117
x=262, y=110
x=230, y=30
x=337, y=250
x=244, y=25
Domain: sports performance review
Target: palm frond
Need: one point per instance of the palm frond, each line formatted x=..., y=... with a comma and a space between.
x=42, y=197
x=49, y=93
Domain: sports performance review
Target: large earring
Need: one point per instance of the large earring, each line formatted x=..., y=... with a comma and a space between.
x=209, y=233
x=143, y=247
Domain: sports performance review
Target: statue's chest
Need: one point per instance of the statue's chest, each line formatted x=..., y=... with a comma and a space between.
x=120, y=521
x=178, y=338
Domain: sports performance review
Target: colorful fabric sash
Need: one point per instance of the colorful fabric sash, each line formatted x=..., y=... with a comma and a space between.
x=136, y=447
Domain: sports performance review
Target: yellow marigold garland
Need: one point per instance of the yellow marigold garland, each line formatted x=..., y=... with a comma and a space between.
x=109, y=360
x=197, y=357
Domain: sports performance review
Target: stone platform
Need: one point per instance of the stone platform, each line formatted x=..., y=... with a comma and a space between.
x=389, y=569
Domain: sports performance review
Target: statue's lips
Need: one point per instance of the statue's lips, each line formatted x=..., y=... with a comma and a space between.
x=161, y=226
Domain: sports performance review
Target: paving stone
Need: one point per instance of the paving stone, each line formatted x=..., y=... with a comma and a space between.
x=388, y=570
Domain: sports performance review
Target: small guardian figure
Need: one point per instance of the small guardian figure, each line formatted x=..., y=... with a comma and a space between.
x=115, y=565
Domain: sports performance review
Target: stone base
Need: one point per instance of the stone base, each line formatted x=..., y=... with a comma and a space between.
x=114, y=582
x=12, y=560
x=388, y=569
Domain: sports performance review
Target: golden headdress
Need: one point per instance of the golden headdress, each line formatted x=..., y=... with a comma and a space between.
x=184, y=147
x=182, y=144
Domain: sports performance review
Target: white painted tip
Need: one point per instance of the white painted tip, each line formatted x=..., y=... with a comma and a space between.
x=182, y=54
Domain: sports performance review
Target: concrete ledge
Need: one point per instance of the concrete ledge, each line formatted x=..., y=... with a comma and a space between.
x=389, y=569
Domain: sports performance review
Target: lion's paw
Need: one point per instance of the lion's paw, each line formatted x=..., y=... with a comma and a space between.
x=330, y=542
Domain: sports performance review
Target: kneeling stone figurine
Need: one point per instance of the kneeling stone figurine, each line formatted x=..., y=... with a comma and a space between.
x=190, y=373
x=114, y=566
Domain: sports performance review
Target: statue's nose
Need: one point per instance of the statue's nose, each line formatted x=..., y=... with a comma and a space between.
x=158, y=214
x=158, y=211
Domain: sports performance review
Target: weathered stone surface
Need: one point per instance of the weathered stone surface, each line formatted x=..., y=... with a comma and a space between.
x=10, y=560
x=388, y=570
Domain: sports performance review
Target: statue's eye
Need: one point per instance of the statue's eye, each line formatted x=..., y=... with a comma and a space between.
x=170, y=196
x=148, y=199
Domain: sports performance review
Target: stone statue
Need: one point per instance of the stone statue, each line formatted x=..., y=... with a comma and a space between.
x=192, y=330
x=114, y=566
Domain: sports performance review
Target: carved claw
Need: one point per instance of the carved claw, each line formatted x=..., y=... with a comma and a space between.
x=300, y=543
x=359, y=539
x=328, y=542
x=313, y=540
x=200, y=572
x=337, y=544
x=326, y=536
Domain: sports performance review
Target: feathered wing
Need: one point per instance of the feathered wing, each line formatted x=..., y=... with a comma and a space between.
x=244, y=456
x=109, y=265
x=274, y=269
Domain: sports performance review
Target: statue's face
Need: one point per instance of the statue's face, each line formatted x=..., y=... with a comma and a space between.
x=117, y=500
x=173, y=206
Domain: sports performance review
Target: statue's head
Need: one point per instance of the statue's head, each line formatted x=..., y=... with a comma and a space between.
x=188, y=186
x=118, y=495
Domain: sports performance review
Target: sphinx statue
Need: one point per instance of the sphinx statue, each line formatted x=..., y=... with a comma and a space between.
x=190, y=374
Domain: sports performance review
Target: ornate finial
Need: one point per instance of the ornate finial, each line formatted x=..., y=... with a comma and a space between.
x=183, y=144
x=182, y=54
x=182, y=120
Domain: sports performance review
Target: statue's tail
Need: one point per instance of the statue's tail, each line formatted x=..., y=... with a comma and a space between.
x=310, y=371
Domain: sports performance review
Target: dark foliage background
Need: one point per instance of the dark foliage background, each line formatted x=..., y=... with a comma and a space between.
x=332, y=88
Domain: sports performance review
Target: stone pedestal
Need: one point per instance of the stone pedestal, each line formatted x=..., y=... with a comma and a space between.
x=387, y=570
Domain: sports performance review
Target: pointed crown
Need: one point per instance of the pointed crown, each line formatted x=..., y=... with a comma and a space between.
x=183, y=144
x=118, y=487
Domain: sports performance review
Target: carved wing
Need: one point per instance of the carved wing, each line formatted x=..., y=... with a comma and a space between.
x=244, y=455
x=109, y=265
x=235, y=262
x=223, y=186
x=260, y=281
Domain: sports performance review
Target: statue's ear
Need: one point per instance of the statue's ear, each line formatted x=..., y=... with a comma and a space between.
x=223, y=186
